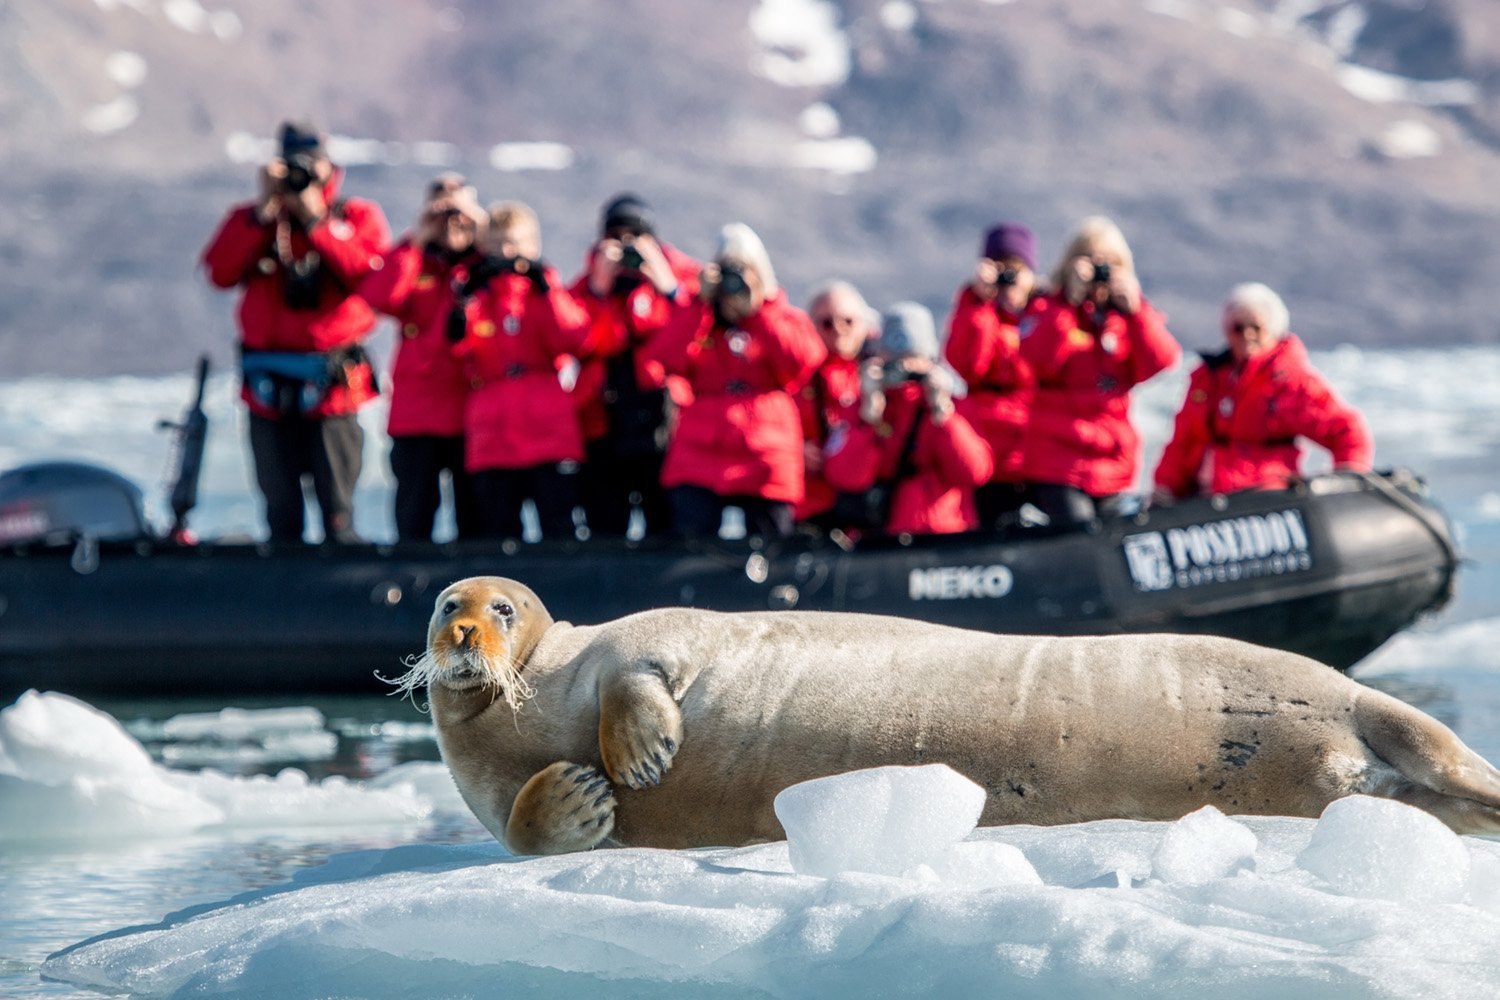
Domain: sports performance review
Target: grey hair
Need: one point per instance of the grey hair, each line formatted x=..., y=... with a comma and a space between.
x=738, y=242
x=1262, y=300
x=839, y=286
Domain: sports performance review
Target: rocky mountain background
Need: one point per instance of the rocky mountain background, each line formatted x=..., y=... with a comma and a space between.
x=1346, y=153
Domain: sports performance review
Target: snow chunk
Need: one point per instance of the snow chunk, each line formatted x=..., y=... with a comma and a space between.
x=103, y=119
x=511, y=156
x=882, y=820
x=1387, y=88
x=128, y=69
x=1380, y=849
x=980, y=864
x=1409, y=139
x=68, y=771
x=1203, y=846
x=802, y=44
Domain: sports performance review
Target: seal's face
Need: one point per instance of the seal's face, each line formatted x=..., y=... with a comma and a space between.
x=481, y=632
x=468, y=636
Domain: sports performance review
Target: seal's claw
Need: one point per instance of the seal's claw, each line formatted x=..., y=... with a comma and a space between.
x=640, y=729
x=563, y=807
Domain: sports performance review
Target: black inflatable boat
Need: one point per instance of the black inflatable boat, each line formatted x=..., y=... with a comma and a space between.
x=92, y=603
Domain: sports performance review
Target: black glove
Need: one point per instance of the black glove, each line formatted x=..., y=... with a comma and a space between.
x=537, y=272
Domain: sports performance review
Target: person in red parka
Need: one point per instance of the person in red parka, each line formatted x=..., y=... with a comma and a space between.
x=429, y=387
x=299, y=253
x=1247, y=406
x=831, y=401
x=984, y=348
x=745, y=351
x=520, y=428
x=911, y=443
x=1087, y=343
x=630, y=285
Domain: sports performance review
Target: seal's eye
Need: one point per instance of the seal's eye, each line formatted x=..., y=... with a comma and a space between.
x=449, y=607
x=502, y=609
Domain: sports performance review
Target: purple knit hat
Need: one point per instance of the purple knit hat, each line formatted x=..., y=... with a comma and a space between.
x=1011, y=239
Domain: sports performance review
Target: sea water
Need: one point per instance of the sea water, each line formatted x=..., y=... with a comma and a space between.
x=329, y=855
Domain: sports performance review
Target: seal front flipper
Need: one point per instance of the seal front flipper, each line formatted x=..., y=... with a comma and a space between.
x=563, y=807
x=640, y=726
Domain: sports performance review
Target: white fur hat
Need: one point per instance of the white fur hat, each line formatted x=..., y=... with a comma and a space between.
x=738, y=242
x=907, y=329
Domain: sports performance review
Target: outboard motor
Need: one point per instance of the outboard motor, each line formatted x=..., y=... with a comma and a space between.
x=58, y=503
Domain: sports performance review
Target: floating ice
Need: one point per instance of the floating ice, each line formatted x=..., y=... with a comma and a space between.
x=1386, y=88
x=102, y=119
x=847, y=155
x=128, y=69
x=802, y=44
x=882, y=820
x=510, y=156
x=1409, y=139
x=898, y=15
x=1380, y=849
x=1202, y=846
x=819, y=121
x=68, y=771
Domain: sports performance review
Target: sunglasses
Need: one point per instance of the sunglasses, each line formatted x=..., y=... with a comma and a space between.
x=831, y=322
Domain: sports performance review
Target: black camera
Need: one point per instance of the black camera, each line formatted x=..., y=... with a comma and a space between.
x=1101, y=272
x=1007, y=277
x=895, y=373
x=630, y=258
x=732, y=281
x=301, y=171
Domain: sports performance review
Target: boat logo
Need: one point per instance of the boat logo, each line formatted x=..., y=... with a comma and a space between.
x=20, y=522
x=1237, y=548
x=951, y=583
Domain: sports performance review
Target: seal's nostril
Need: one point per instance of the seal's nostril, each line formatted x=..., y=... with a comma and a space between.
x=461, y=634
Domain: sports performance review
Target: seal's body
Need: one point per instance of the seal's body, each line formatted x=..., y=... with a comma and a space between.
x=697, y=719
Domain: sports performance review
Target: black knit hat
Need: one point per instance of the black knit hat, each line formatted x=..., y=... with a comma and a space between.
x=628, y=211
x=301, y=137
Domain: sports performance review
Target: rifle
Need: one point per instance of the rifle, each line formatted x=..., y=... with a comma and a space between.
x=191, y=434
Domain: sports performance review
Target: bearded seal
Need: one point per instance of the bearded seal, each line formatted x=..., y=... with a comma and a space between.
x=676, y=727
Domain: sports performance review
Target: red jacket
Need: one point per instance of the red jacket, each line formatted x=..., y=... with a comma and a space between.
x=1237, y=428
x=947, y=463
x=618, y=321
x=1080, y=432
x=984, y=348
x=518, y=414
x=350, y=242
x=429, y=386
x=741, y=435
x=830, y=400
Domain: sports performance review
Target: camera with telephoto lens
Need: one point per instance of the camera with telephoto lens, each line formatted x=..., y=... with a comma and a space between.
x=301, y=172
x=630, y=258
x=732, y=281
x=895, y=373
x=1101, y=272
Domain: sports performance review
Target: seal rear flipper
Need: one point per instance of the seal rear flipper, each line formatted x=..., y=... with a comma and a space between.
x=640, y=726
x=1450, y=780
x=564, y=807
